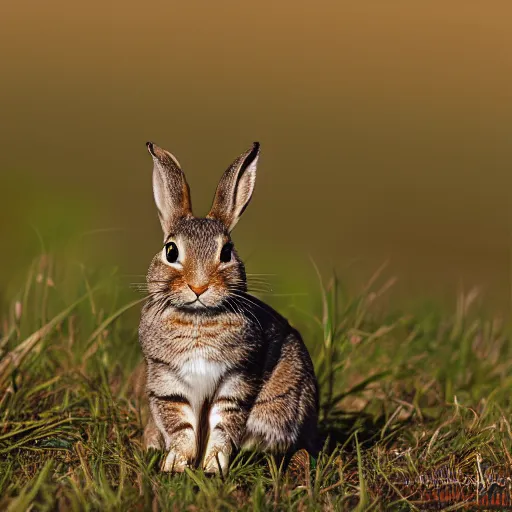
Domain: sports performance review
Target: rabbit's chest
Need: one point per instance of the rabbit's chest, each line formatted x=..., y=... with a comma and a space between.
x=202, y=377
x=195, y=378
x=202, y=346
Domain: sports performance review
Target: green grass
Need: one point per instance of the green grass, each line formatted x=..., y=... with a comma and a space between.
x=406, y=400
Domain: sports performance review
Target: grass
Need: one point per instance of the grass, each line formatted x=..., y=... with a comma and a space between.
x=409, y=402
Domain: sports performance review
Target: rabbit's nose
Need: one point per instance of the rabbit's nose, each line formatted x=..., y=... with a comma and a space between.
x=198, y=290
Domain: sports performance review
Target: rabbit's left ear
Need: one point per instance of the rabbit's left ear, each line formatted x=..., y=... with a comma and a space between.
x=235, y=188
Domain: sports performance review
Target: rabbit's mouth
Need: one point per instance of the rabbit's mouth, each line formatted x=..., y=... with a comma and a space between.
x=199, y=304
x=204, y=306
x=195, y=304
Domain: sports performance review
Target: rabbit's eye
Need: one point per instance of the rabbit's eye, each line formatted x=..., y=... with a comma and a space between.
x=171, y=252
x=225, y=253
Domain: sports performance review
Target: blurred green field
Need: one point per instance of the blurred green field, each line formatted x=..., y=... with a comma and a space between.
x=384, y=128
x=404, y=396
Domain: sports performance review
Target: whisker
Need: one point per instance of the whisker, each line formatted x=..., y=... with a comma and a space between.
x=247, y=311
x=252, y=303
x=260, y=290
x=259, y=285
x=257, y=279
x=298, y=294
x=241, y=289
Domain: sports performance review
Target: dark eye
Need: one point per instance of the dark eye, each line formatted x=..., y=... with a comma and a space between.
x=225, y=253
x=171, y=252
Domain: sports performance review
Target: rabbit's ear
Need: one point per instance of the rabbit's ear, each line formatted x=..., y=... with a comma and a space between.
x=170, y=188
x=235, y=188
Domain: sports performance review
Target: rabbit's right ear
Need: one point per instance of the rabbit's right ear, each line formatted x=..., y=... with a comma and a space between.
x=235, y=188
x=170, y=188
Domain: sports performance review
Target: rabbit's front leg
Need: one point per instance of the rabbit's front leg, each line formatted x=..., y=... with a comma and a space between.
x=227, y=418
x=174, y=418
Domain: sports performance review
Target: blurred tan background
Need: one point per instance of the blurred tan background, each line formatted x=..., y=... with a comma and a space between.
x=385, y=128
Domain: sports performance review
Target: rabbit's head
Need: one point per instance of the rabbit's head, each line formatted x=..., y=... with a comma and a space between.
x=198, y=267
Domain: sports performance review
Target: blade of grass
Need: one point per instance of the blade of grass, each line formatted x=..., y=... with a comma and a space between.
x=15, y=357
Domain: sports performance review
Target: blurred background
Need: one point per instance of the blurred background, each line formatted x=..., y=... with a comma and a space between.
x=385, y=129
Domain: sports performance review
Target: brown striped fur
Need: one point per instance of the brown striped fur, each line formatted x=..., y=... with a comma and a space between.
x=224, y=370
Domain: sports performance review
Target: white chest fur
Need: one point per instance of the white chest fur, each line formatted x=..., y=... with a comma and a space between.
x=202, y=377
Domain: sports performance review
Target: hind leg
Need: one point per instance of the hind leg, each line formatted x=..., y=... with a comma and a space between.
x=284, y=415
x=152, y=438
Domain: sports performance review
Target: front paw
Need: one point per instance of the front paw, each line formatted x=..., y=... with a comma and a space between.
x=175, y=462
x=216, y=460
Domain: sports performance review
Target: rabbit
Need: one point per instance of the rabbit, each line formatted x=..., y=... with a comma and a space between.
x=224, y=371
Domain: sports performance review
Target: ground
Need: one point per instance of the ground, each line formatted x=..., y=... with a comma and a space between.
x=415, y=407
